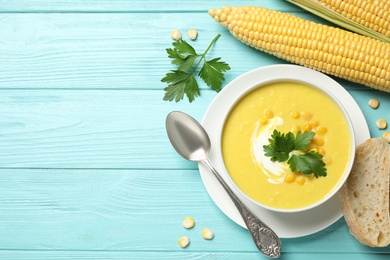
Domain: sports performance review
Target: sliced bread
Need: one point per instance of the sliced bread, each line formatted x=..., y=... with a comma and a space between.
x=365, y=195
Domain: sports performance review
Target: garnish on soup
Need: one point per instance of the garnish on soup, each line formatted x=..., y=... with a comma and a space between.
x=294, y=149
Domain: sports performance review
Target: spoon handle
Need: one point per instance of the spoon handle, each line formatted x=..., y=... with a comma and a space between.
x=265, y=238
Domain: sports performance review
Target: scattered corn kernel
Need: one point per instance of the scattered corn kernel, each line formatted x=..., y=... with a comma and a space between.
x=386, y=136
x=306, y=115
x=175, y=34
x=300, y=180
x=315, y=149
x=307, y=127
x=373, y=103
x=321, y=151
x=314, y=123
x=381, y=124
x=296, y=129
x=289, y=177
x=207, y=234
x=268, y=113
x=188, y=222
x=183, y=241
x=295, y=114
x=322, y=130
x=264, y=121
x=192, y=34
x=327, y=160
x=318, y=141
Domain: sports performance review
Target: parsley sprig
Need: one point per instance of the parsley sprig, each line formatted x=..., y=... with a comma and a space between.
x=293, y=149
x=182, y=80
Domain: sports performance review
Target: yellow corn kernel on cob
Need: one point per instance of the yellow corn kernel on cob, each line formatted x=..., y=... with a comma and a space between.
x=367, y=17
x=372, y=14
x=362, y=16
x=324, y=48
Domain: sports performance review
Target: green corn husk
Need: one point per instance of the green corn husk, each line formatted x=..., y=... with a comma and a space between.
x=327, y=13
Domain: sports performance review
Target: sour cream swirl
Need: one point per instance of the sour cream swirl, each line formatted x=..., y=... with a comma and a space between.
x=275, y=171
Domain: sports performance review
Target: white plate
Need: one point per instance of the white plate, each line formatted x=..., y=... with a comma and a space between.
x=286, y=225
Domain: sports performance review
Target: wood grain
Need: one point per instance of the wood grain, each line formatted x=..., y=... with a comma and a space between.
x=108, y=50
x=185, y=255
x=86, y=169
x=106, y=129
x=129, y=210
x=131, y=6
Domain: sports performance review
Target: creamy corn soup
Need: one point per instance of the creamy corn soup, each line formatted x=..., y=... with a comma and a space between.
x=287, y=107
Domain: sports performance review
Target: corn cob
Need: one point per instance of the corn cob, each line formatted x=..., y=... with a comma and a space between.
x=367, y=17
x=324, y=48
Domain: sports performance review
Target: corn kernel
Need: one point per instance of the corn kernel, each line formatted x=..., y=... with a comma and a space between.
x=321, y=151
x=183, y=241
x=327, y=160
x=373, y=103
x=300, y=180
x=207, y=234
x=314, y=149
x=314, y=123
x=289, y=177
x=268, y=113
x=307, y=127
x=318, y=141
x=386, y=136
x=264, y=121
x=188, y=222
x=296, y=129
x=322, y=130
x=339, y=57
x=306, y=115
x=192, y=34
x=381, y=124
x=295, y=114
x=175, y=34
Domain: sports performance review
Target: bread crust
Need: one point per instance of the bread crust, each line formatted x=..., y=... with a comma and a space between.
x=364, y=196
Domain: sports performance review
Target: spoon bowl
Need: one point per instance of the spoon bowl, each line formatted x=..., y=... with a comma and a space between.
x=192, y=142
x=187, y=136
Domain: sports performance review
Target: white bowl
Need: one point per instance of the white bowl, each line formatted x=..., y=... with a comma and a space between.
x=250, y=81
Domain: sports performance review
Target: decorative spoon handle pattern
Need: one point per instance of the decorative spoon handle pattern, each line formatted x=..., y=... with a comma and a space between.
x=264, y=237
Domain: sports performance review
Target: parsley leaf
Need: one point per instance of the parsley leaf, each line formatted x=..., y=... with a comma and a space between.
x=308, y=163
x=282, y=148
x=212, y=73
x=303, y=140
x=182, y=81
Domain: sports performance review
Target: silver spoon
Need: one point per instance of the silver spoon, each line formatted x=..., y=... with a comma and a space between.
x=192, y=142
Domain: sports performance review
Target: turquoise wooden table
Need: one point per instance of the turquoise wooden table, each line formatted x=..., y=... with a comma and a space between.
x=86, y=168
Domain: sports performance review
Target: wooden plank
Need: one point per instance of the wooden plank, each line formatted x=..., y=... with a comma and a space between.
x=178, y=255
x=108, y=50
x=106, y=129
x=130, y=6
x=89, y=129
x=131, y=211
